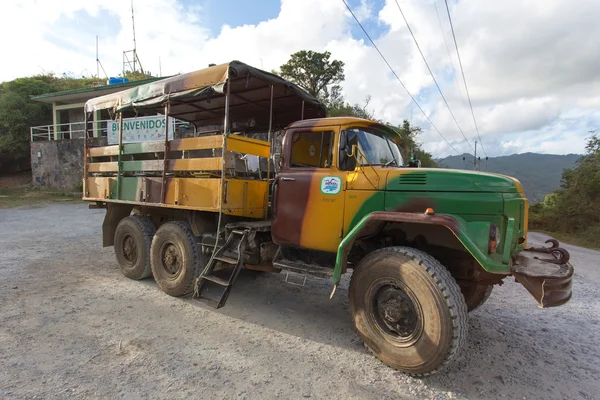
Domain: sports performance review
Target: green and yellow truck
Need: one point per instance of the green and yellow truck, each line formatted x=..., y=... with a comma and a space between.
x=263, y=180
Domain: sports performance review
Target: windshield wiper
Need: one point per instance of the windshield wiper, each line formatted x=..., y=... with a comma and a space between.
x=387, y=164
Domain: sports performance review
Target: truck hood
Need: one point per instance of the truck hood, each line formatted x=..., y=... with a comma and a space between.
x=449, y=180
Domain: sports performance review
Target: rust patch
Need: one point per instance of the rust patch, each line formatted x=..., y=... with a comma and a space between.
x=549, y=283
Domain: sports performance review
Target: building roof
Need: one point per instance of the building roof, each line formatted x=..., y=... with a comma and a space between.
x=84, y=94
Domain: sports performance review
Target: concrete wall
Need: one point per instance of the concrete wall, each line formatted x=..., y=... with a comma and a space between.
x=58, y=164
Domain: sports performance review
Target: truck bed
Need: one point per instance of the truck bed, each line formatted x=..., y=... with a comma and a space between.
x=189, y=177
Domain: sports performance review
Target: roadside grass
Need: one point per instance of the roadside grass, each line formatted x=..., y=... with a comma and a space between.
x=573, y=239
x=25, y=195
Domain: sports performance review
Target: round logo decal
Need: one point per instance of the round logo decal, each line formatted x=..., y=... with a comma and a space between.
x=331, y=185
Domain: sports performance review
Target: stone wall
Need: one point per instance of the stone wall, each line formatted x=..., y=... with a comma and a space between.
x=58, y=164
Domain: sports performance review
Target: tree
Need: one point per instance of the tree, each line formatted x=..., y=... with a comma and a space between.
x=18, y=113
x=409, y=145
x=574, y=208
x=314, y=72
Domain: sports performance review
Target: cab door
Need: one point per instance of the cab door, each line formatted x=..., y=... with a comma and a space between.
x=308, y=205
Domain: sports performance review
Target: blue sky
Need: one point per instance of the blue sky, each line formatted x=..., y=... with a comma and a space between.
x=531, y=66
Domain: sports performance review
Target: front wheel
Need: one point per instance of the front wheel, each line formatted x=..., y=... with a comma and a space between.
x=408, y=310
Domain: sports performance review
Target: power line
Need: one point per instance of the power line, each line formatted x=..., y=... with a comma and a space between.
x=432, y=76
x=462, y=98
x=399, y=80
x=463, y=76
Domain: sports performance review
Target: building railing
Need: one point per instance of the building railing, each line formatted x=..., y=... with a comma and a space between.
x=76, y=130
x=72, y=130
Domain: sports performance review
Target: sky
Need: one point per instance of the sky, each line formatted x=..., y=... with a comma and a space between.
x=532, y=67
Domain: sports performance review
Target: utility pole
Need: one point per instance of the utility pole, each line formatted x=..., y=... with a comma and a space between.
x=475, y=158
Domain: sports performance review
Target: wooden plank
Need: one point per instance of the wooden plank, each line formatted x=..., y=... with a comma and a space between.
x=245, y=198
x=196, y=164
x=143, y=165
x=187, y=164
x=145, y=147
x=103, y=151
x=245, y=145
x=103, y=167
x=199, y=143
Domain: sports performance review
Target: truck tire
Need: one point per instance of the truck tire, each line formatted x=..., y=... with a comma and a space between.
x=133, y=237
x=408, y=310
x=476, y=295
x=176, y=258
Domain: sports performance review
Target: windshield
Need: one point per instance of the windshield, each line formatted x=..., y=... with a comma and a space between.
x=377, y=148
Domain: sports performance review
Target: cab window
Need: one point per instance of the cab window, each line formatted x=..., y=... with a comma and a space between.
x=312, y=149
x=376, y=148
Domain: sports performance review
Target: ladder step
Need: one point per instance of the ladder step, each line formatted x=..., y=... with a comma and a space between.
x=227, y=260
x=216, y=279
x=209, y=302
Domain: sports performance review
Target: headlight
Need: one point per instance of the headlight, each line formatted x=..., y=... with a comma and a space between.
x=494, y=239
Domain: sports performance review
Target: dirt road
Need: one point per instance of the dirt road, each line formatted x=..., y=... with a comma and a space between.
x=72, y=326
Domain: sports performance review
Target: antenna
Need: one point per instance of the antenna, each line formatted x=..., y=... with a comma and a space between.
x=98, y=63
x=131, y=63
x=134, y=44
x=159, y=67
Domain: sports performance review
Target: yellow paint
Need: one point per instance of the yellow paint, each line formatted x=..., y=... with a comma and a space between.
x=98, y=188
x=199, y=143
x=103, y=151
x=103, y=167
x=246, y=145
x=244, y=197
x=196, y=164
x=324, y=214
x=365, y=177
x=355, y=199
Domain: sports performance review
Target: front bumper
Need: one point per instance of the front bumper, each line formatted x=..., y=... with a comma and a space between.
x=547, y=277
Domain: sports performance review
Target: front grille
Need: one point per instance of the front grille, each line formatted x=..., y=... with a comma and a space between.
x=413, y=179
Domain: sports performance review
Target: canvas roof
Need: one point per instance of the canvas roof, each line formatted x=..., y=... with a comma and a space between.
x=198, y=97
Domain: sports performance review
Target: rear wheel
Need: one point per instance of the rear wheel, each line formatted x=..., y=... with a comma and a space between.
x=133, y=238
x=176, y=258
x=476, y=295
x=408, y=310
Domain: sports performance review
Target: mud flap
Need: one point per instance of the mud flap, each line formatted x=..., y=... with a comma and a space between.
x=548, y=282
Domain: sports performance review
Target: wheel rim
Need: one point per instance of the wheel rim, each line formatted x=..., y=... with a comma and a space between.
x=396, y=312
x=129, y=249
x=171, y=259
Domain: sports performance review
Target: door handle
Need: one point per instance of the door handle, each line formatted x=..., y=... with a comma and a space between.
x=287, y=179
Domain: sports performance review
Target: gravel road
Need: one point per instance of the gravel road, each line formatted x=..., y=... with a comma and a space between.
x=72, y=326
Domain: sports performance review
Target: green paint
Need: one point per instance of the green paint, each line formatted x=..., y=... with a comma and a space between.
x=448, y=180
x=125, y=189
x=474, y=200
x=510, y=228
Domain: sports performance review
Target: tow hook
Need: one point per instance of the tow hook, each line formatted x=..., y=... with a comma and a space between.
x=560, y=255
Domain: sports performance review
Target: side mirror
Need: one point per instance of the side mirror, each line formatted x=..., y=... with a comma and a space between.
x=277, y=161
x=347, y=156
x=415, y=164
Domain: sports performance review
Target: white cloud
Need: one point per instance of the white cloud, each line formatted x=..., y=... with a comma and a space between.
x=531, y=66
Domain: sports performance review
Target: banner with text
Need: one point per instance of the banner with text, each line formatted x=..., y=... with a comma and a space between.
x=141, y=129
